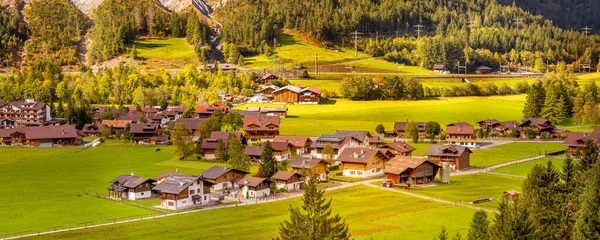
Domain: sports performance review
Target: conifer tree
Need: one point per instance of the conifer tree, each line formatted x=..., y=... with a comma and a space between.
x=588, y=221
x=542, y=195
x=314, y=220
x=143, y=119
x=412, y=131
x=221, y=152
x=535, y=100
x=267, y=160
x=380, y=129
x=590, y=156
x=237, y=156
x=479, y=226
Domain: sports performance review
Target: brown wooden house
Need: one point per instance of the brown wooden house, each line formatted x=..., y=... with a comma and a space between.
x=268, y=78
x=142, y=132
x=408, y=170
x=400, y=128
x=310, y=95
x=457, y=156
x=299, y=144
x=130, y=187
x=539, y=126
x=209, y=145
x=223, y=178
x=318, y=167
x=117, y=124
x=93, y=129
x=504, y=129
x=287, y=94
x=363, y=162
x=291, y=181
x=483, y=70
x=261, y=128
x=254, y=187
x=268, y=92
x=205, y=110
x=400, y=148
x=575, y=141
x=461, y=133
x=42, y=136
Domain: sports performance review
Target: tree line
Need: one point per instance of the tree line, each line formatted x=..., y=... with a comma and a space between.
x=12, y=33
x=388, y=88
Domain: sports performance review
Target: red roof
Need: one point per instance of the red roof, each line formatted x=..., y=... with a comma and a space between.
x=460, y=128
x=261, y=122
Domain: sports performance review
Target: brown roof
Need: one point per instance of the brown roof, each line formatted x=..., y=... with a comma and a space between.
x=510, y=125
x=400, y=164
x=312, y=89
x=296, y=141
x=27, y=105
x=211, y=142
x=254, y=151
x=304, y=162
x=191, y=123
x=402, y=147
x=144, y=128
x=175, y=184
x=93, y=128
x=48, y=132
x=579, y=138
x=460, y=128
x=541, y=123
x=116, y=123
x=251, y=181
x=205, y=108
x=360, y=136
x=217, y=171
x=446, y=150
x=168, y=173
x=261, y=122
x=280, y=146
x=489, y=122
x=129, y=181
x=284, y=175
x=360, y=155
x=400, y=126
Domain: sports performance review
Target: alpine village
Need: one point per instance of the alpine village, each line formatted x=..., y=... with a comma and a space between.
x=300, y=119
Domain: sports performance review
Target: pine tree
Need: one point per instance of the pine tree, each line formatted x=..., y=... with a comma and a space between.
x=380, y=129
x=267, y=160
x=443, y=235
x=412, y=131
x=134, y=53
x=512, y=222
x=238, y=158
x=590, y=156
x=479, y=226
x=143, y=119
x=313, y=221
x=588, y=222
x=542, y=195
x=221, y=151
x=569, y=200
x=535, y=100
x=182, y=140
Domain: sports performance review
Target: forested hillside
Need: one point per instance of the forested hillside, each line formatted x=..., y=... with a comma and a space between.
x=477, y=32
x=12, y=34
x=567, y=14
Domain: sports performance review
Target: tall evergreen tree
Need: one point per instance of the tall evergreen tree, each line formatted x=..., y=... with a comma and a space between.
x=314, y=220
x=542, y=195
x=588, y=222
x=512, y=222
x=535, y=100
x=590, y=156
x=238, y=158
x=267, y=160
x=479, y=226
x=221, y=152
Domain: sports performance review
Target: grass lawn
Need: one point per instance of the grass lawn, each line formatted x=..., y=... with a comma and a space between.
x=392, y=67
x=338, y=114
x=447, y=82
x=421, y=148
x=166, y=52
x=523, y=169
x=329, y=85
x=368, y=212
x=512, y=151
x=464, y=188
x=47, y=187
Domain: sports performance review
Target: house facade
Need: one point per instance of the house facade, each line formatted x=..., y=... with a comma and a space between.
x=539, y=126
x=290, y=181
x=93, y=130
x=142, y=132
x=281, y=151
x=223, y=178
x=363, y=162
x=337, y=142
x=130, y=187
x=299, y=144
x=254, y=187
x=205, y=110
x=42, y=136
x=25, y=113
x=459, y=157
x=408, y=170
x=362, y=137
x=309, y=95
x=400, y=148
x=209, y=145
x=400, y=128
x=261, y=128
x=575, y=141
x=461, y=134
x=318, y=167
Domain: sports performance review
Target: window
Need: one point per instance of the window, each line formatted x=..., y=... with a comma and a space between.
x=352, y=172
x=142, y=193
x=192, y=191
x=359, y=172
x=204, y=198
x=170, y=204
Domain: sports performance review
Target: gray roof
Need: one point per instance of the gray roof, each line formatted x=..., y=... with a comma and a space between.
x=284, y=175
x=446, y=150
x=129, y=181
x=304, y=162
x=175, y=184
x=356, y=134
x=217, y=171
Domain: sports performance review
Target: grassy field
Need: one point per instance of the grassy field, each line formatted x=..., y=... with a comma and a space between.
x=512, y=151
x=464, y=188
x=166, y=52
x=523, y=169
x=386, y=216
x=446, y=82
x=313, y=120
x=48, y=187
x=329, y=85
x=392, y=67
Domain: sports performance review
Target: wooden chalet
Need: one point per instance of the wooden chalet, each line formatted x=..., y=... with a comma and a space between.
x=318, y=167
x=408, y=170
x=290, y=181
x=269, y=111
x=299, y=144
x=42, y=136
x=363, y=162
x=489, y=123
x=575, y=141
x=130, y=187
x=209, y=145
x=134, y=117
x=511, y=195
x=117, y=124
x=93, y=130
x=142, y=132
x=337, y=142
x=254, y=153
x=400, y=148
x=178, y=191
x=204, y=110
x=400, y=128
x=293, y=94
x=539, y=126
x=362, y=137
x=261, y=128
x=461, y=133
x=281, y=150
x=309, y=95
x=254, y=187
x=164, y=175
x=504, y=129
x=457, y=156
x=223, y=178
x=483, y=70
x=268, y=92
x=439, y=68
x=190, y=123
x=267, y=78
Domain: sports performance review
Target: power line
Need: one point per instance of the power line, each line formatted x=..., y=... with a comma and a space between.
x=356, y=33
x=518, y=22
x=419, y=28
x=587, y=31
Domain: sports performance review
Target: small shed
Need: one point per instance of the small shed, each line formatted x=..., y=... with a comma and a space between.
x=483, y=70
x=511, y=195
x=439, y=68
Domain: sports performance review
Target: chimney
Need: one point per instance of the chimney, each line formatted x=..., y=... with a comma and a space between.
x=63, y=131
x=132, y=174
x=362, y=151
x=245, y=181
x=176, y=170
x=303, y=161
x=181, y=183
x=355, y=155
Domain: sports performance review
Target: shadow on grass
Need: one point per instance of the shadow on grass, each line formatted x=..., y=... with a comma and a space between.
x=150, y=45
x=328, y=102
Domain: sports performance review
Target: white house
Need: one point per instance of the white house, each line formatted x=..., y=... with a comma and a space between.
x=183, y=191
x=223, y=178
x=254, y=187
x=130, y=187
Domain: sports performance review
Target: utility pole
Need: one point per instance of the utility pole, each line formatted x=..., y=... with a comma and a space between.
x=587, y=31
x=419, y=28
x=518, y=21
x=356, y=33
x=317, y=64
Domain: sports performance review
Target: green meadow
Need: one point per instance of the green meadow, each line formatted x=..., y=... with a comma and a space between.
x=523, y=169
x=49, y=187
x=338, y=114
x=387, y=215
x=486, y=157
x=166, y=53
